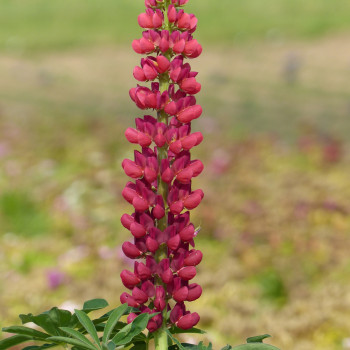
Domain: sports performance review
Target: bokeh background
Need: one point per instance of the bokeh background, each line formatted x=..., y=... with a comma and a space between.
x=275, y=219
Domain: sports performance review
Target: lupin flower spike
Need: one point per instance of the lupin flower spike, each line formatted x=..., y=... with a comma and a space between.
x=162, y=171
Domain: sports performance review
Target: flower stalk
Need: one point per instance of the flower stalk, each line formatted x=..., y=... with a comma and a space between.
x=162, y=195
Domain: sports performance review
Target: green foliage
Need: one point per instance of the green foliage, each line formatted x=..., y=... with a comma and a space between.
x=112, y=321
x=256, y=343
x=21, y=214
x=60, y=323
x=130, y=331
x=194, y=330
x=13, y=341
x=258, y=338
x=40, y=25
x=88, y=325
x=94, y=304
x=253, y=343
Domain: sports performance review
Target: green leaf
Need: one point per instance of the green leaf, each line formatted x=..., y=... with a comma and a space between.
x=40, y=347
x=94, y=304
x=184, y=345
x=13, y=341
x=176, y=330
x=255, y=346
x=77, y=335
x=127, y=333
x=105, y=317
x=50, y=321
x=140, y=345
x=26, y=331
x=60, y=318
x=88, y=325
x=258, y=338
x=111, y=346
x=43, y=320
x=113, y=320
x=72, y=341
x=227, y=347
x=175, y=340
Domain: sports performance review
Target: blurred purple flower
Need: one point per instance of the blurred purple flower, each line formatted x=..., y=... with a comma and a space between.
x=55, y=278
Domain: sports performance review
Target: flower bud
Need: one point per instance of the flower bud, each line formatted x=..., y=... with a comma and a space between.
x=127, y=220
x=181, y=294
x=174, y=242
x=187, y=233
x=189, y=114
x=142, y=271
x=188, y=321
x=187, y=273
x=194, y=292
x=140, y=296
x=194, y=258
x=131, y=251
x=172, y=14
x=137, y=230
x=129, y=279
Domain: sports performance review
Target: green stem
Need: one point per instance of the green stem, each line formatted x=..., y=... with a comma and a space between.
x=161, y=339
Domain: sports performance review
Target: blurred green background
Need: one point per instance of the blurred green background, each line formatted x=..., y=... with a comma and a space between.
x=275, y=219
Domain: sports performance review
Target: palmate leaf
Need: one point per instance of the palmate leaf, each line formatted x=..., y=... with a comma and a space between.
x=13, y=341
x=77, y=335
x=89, y=306
x=105, y=317
x=40, y=347
x=94, y=304
x=258, y=338
x=113, y=320
x=176, y=330
x=255, y=346
x=50, y=321
x=33, y=333
x=256, y=343
x=227, y=347
x=139, y=346
x=71, y=341
x=130, y=331
x=176, y=341
x=187, y=346
x=88, y=325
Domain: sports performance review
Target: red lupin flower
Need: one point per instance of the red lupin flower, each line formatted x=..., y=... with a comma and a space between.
x=162, y=169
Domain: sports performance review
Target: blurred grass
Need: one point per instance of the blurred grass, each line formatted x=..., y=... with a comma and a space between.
x=276, y=213
x=42, y=25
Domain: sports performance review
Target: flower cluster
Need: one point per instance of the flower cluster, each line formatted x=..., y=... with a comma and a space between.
x=162, y=170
